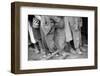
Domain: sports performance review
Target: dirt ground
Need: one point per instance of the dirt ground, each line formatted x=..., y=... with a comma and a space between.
x=32, y=55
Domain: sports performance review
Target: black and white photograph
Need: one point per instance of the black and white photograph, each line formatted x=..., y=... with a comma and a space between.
x=52, y=37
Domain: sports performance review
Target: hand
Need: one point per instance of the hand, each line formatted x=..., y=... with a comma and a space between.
x=35, y=23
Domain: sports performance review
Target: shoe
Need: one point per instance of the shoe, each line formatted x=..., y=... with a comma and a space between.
x=73, y=51
x=78, y=51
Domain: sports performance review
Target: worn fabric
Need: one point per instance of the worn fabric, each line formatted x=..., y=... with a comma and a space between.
x=60, y=38
x=60, y=34
x=45, y=24
x=44, y=43
x=48, y=33
x=67, y=29
x=75, y=26
x=31, y=36
x=36, y=33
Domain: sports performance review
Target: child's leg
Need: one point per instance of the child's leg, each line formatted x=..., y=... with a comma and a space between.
x=77, y=41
